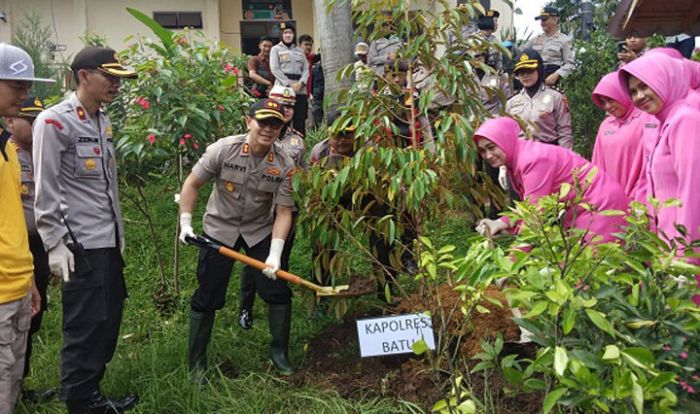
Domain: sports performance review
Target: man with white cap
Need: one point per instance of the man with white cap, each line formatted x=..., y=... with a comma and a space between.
x=361, y=71
x=19, y=298
x=79, y=219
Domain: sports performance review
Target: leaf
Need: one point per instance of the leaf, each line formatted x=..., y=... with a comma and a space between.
x=599, y=320
x=420, y=347
x=660, y=380
x=611, y=353
x=564, y=190
x=165, y=35
x=612, y=213
x=638, y=396
x=467, y=407
x=640, y=357
x=482, y=309
x=536, y=310
x=551, y=399
x=561, y=360
x=568, y=320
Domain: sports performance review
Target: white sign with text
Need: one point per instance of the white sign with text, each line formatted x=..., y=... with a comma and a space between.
x=394, y=334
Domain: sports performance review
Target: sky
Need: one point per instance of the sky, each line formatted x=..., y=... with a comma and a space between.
x=525, y=23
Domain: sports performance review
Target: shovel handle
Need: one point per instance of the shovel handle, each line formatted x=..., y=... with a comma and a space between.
x=230, y=253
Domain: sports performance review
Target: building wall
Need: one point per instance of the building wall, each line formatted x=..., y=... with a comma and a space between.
x=73, y=18
x=232, y=14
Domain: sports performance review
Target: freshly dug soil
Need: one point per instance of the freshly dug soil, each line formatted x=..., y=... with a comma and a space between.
x=333, y=358
x=360, y=285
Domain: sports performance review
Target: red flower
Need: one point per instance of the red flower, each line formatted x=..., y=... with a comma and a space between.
x=195, y=146
x=683, y=355
x=143, y=102
x=151, y=138
x=182, y=141
x=236, y=71
x=187, y=136
x=228, y=68
x=220, y=108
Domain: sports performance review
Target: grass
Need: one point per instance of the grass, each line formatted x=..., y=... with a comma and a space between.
x=151, y=357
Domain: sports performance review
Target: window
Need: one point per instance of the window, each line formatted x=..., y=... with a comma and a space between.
x=179, y=20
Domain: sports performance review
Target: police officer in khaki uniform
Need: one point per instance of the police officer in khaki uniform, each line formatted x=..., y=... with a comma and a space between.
x=291, y=69
x=487, y=25
x=382, y=51
x=20, y=127
x=292, y=142
x=252, y=175
x=553, y=46
x=79, y=219
x=546, y=109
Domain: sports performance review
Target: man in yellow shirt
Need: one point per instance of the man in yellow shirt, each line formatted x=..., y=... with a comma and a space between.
x=17, y=305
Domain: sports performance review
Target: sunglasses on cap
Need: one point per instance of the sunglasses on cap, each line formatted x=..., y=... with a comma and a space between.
x=273, y=123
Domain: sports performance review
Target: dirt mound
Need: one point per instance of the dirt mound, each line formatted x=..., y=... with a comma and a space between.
x=333, y=359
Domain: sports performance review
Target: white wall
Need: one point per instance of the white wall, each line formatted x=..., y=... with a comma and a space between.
x=72, y=18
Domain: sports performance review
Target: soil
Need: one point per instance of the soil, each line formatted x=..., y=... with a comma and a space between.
x=333, y=358
x=359, y=285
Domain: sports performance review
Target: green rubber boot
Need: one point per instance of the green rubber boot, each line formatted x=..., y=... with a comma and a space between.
x=280, y=317
x=201, y=324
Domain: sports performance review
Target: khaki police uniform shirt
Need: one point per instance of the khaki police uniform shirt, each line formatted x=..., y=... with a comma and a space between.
x=76, y=173
x=324, y=154
x=26, y=188
x=292, y=143
x=241, y=202
x=465, y=31
x=549, y=111
x=555, y=50
x=290, y=60
x=379, y=51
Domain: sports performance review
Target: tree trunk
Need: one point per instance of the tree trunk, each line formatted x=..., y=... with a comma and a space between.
x=336, y=38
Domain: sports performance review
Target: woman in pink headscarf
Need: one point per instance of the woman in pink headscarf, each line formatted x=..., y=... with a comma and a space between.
x=619, y=146
x=536, y=170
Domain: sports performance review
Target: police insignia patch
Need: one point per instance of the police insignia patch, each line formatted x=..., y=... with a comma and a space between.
x=271, y=157
x=273, y=171
x=524, y=57
x=53, y=122
x=81, y=113
x=90, y=164
x=229, y=186
x=96, y=150
x=24, y=189
x=246, y=148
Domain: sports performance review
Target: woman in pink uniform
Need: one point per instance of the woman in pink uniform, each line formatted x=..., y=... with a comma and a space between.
x=619, y=146
x=536, y=170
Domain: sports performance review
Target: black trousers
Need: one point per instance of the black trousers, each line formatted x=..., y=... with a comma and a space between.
x=92, y=313
x=301, y=109
x=214, y=273
x=247, y=296
x=42, y=272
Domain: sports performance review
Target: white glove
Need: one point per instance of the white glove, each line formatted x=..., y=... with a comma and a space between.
x=494, y=226
x=186, y=226
x=274, y=258
x=503, y=177
x=61, y=261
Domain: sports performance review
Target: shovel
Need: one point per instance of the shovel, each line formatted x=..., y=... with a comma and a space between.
x=340, y=290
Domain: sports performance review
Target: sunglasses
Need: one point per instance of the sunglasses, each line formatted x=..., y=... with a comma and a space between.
x=544, y=19
x=273, y=123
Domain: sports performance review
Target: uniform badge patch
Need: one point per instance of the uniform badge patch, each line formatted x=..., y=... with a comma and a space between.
x=23, y=189
x=229, y=186
x=96, y=150
x=90, y=164
x=81, y=113
x=246, y=148
x=271, y=157
x=273, y=171
x=53, y=122
x=108, y=131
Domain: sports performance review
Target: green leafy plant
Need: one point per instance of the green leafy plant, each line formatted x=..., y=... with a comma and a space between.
x=614, y=330
x=187, y=95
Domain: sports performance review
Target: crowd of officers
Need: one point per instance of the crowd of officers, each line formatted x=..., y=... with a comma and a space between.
x=60, y=199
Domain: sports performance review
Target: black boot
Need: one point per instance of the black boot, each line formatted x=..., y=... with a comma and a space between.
x=280, y=317
x=245, y=318
x=201, y=325
x=78, y=406
x=99, y=404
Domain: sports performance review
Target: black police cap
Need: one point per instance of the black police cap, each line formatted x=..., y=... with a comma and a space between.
x=103, y=59
x=548, y=12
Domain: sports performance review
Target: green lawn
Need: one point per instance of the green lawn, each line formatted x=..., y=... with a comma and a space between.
x=152, y=352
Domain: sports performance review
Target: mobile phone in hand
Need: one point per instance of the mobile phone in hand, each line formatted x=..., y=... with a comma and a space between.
x=622, y=47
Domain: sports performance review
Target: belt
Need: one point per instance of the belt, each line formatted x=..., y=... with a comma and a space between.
x=293, y=76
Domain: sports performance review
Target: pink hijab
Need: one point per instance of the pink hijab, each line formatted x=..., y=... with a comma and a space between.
x=692, y=66
x=674, y=164
x=536, y=170
x=619, y=146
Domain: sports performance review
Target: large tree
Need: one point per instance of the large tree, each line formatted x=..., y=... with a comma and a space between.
x=334, y=22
